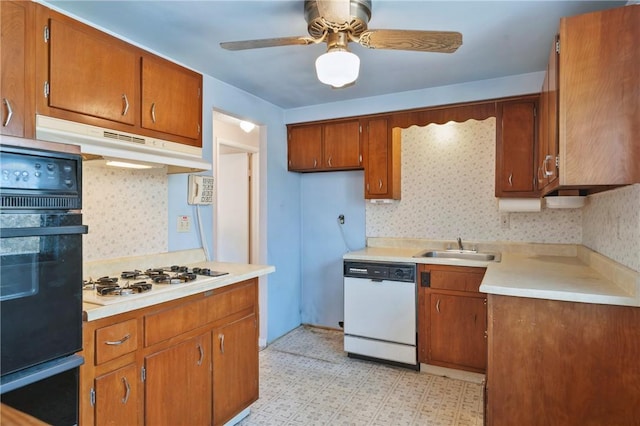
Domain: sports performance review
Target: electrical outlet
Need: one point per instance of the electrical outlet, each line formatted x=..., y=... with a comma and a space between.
x=504, y=221
x=184, y=223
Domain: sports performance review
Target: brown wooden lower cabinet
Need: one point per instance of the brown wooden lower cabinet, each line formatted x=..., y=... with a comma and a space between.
x=117, y=395
x=178, y=384
x=562, y=363
x=235, y=363
x=191, y=361
x=452, y=317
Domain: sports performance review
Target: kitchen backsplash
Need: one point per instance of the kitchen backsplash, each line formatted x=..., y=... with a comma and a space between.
x=611, y=225
x=126, y=211
x=448, y=192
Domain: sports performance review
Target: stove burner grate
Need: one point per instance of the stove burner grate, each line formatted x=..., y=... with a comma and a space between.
x=116, y=290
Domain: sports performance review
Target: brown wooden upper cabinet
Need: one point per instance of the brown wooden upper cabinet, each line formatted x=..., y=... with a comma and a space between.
x=515, y=148
x=17, y=68
x=90, y=77
x=597, y=74
x=381, y=145
x=326, y=146
x=90, y=74
x=171, y=101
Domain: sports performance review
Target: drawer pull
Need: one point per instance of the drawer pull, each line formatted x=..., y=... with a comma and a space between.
x=201, y=354
x=127, y=390
x=438, y=306
x=118, y=342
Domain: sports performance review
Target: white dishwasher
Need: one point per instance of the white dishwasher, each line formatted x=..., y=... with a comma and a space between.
x=380, y=312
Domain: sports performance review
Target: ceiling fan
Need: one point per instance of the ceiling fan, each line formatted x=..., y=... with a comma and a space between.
x=338, y=22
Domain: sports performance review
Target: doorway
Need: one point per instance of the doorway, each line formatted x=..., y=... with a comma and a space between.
x=235, y=203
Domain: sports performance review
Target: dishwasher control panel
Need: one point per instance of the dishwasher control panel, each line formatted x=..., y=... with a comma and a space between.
x=391, y=271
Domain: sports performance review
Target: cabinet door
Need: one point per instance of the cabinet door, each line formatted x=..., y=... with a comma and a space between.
x=90, y=73
x=171, y=101
x=235, y=372
x=377, y=158
x=457, y=329
x=341, y=145
x=305, y=147
x=178, y=384
x=546, y=170
x=515, y=144
x=16, y=68
x=599, y=98
x=117, y=397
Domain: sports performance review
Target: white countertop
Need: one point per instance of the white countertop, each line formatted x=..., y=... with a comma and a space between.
x=530, y=273
x=236, y=272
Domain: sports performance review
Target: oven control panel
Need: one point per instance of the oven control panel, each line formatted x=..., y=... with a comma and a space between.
x=33, y=172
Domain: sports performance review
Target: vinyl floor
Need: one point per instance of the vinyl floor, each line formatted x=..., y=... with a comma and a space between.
x=307, y=379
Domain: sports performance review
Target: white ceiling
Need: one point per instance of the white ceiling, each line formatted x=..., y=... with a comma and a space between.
x=500, y=38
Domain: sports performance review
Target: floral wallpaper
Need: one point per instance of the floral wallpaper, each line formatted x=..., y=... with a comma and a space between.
x=448, y=192
x=611, y=225
x=126, y=211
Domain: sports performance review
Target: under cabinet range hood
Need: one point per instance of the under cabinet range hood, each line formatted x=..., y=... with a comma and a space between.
x=100, y=143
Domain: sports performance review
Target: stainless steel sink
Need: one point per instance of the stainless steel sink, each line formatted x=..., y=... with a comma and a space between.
x=462, y=254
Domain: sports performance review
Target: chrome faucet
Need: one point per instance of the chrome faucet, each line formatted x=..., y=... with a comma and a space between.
x=460, y=244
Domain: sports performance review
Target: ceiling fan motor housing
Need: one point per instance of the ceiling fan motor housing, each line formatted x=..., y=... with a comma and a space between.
x=360, y=11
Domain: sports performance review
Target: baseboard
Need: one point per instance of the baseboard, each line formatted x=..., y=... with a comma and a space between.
x=467, y=376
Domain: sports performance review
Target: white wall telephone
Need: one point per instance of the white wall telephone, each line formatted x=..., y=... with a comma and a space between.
x=200, y=189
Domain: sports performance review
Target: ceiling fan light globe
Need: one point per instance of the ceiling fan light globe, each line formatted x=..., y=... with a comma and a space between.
x=338, y=68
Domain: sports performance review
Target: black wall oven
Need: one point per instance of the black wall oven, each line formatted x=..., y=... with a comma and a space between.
x=41, y=282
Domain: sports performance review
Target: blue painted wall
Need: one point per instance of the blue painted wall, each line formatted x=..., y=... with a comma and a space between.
x=325, y=196
x=282, y=202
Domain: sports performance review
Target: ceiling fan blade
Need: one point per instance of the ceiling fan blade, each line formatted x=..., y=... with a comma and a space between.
x=422, y=41
x=335, y=11
x=268, y=42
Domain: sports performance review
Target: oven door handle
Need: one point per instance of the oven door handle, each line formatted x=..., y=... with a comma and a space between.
x=43, y=231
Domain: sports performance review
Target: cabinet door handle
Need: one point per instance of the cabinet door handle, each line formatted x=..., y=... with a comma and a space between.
x=380, y=183
x=9, y=112
x=329, y=161
x=315, y=162
x=153, y=112
x=125, y=109
x=118, y=342
x=221, y=338
x=127, y=390
x=438, y=306
x=511, y=179
x=547, y=173
x=201, y=354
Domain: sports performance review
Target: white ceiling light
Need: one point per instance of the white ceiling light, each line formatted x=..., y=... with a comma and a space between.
x=338, y=67
x=247, y=126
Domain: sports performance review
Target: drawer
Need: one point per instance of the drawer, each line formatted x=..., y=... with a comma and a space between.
x=457, y=278
x=236, y=299
x=172, y=322
x=116, y=340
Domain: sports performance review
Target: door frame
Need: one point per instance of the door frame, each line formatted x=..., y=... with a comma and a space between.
x=254, y=190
